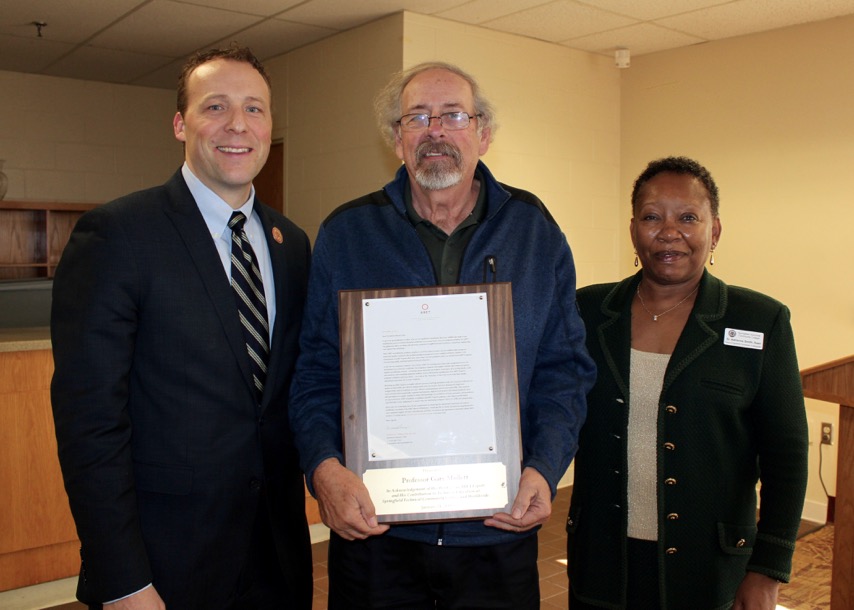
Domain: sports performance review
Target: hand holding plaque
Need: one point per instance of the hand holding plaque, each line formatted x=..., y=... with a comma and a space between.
x=430, y=400
x=344, y=503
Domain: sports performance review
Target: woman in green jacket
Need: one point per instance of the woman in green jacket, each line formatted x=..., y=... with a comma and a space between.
x=698, y=397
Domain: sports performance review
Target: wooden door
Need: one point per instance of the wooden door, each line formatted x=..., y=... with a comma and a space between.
x=270, y=182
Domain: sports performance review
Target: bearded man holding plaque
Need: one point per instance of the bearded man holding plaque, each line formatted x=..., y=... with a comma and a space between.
x=443, y=220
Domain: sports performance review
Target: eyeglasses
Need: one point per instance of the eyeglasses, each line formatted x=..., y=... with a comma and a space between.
x=448, y=120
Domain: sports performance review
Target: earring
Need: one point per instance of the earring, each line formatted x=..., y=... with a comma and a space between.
x=636, y=259
x=712, y=256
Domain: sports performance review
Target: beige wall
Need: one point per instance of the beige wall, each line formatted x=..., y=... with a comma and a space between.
x=558, y=111
x=770, y=116
x=559, y=126
x=72, y=140
x=767, y=113
x=323, y=96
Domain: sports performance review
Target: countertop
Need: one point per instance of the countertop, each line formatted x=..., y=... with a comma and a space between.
x=24, y=339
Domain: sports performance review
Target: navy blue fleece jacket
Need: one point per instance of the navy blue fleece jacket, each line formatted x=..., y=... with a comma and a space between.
x=369, y=243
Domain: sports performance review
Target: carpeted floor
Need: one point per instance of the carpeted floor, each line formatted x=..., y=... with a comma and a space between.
x=809, y=588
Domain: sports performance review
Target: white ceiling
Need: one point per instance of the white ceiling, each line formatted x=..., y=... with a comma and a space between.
x=144, y=42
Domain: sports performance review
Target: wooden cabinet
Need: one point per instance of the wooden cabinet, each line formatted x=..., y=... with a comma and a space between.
x=38, y=541
x=33, y=235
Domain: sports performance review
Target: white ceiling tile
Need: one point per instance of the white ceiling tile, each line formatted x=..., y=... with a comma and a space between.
x=639, y=39
x=263, y=8
x=478, y=11
x=748, y=16
x=110, y=65
x=67, y=21
x=79, y=31
x=171, y=28
x=559, y=20
x=345, y=14
x=651, y=9
x=275, y=37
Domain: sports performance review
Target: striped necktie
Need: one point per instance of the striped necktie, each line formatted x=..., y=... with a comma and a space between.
x=252, y=306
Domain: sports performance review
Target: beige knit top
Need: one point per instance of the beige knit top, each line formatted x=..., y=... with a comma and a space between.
x=646, y=377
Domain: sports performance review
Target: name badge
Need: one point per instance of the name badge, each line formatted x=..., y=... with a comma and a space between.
x=743, y=338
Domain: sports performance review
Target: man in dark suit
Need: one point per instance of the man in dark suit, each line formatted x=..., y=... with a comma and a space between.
x=171, y=414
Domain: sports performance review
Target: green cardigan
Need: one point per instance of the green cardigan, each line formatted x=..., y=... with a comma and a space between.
x=728, y=416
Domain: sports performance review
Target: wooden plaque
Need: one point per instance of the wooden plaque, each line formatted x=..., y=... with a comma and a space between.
x=427, y=485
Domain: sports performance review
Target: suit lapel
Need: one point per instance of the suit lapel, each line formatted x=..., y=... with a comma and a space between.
x=698, y=336
x=617, y=325
x=185, y=215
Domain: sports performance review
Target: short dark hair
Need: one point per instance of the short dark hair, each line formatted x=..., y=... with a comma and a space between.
x=233, y=52
x=678, y=165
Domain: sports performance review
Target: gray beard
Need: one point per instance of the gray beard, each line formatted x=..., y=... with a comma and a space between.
x=436, y=179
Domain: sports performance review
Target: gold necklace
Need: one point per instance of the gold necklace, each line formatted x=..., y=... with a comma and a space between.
x=656, y=316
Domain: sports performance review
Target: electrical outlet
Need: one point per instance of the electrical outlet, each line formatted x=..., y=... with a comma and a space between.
x=826, y=433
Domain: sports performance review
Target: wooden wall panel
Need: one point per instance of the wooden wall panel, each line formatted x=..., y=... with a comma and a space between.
x=38, y=541
x=842, y=583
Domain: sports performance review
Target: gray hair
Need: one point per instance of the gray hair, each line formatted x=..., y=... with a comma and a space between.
x=387, y=103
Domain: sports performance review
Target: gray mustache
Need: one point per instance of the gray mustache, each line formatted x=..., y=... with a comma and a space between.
x=442, y=148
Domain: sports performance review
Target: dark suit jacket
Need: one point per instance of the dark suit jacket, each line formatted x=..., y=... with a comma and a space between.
x=163, y=448
x=727, y=415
